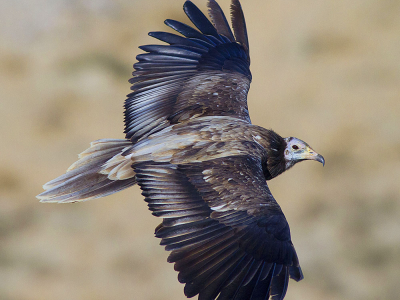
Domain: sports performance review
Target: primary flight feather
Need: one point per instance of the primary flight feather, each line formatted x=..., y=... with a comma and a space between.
x=202, y=166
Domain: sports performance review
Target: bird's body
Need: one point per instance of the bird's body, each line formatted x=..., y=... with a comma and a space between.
x=201, y=139
x=201, y=164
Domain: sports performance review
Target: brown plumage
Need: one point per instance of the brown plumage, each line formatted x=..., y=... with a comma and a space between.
x=201, y=164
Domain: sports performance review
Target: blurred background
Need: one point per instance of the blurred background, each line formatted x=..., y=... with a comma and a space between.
x=327, y=72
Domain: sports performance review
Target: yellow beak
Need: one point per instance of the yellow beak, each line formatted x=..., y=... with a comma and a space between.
x=310, y=154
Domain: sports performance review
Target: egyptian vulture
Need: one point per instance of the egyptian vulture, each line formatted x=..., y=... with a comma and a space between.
x=201, y=164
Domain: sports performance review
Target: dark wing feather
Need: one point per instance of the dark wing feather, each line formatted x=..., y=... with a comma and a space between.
x=225, y=243
x=219, y=20
x=189, y=32
x=199, y=19
x=239, y=26
x=222, y=182
x=200, y=73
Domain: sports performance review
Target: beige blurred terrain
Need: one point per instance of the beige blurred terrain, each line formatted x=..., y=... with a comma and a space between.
x=327, y=72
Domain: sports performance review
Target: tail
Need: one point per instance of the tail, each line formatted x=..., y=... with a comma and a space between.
x=100, y=171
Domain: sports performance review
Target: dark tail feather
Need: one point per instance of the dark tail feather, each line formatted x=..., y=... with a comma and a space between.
x=100, y=171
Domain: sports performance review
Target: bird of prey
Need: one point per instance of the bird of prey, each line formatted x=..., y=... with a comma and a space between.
x=201, y=164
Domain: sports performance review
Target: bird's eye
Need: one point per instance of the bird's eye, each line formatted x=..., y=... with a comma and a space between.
x=295, y=147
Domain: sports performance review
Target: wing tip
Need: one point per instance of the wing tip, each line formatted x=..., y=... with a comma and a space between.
x=219, y=21
x=239, y=25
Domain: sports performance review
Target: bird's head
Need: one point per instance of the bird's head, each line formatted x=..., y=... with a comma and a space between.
x=297, y=150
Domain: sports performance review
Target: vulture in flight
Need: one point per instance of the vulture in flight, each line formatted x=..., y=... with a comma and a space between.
x=201, y=164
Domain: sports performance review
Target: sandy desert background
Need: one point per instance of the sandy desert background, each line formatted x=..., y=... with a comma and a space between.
x=327, y=72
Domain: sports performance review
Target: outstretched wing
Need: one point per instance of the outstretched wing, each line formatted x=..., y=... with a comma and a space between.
x=202, y=72
x=228, y=236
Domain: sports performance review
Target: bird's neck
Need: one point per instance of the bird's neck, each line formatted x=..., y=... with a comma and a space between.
x=275, y=160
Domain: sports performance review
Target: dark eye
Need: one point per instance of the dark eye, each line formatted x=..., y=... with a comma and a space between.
x=295, y=147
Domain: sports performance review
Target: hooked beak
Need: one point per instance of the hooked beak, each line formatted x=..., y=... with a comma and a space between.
x=310, y=154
